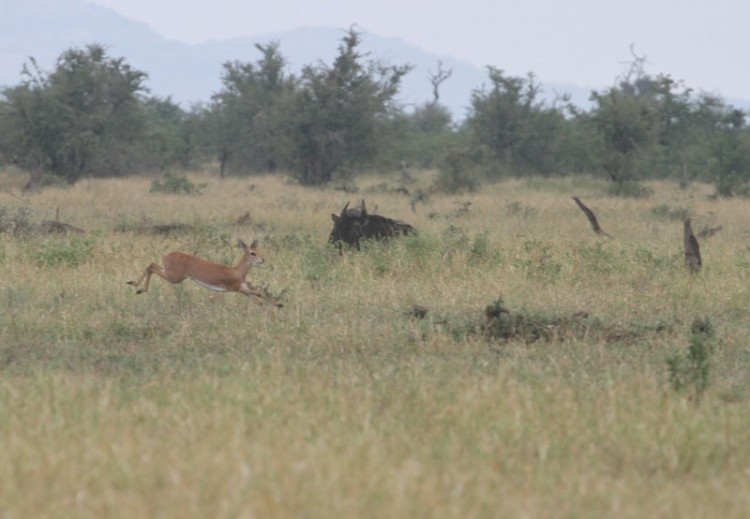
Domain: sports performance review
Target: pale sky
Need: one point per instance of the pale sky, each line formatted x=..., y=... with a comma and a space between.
x=706, y=43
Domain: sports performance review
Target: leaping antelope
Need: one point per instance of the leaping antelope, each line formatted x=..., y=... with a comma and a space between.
x=179, y=266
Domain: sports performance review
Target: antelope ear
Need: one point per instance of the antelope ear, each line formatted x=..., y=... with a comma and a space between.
x=241, y=244
x=254, y=244
x=335, y=218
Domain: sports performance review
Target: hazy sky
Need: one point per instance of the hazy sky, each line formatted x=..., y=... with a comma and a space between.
x=706, y=43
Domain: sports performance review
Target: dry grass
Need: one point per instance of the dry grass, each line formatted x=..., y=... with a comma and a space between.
x=185, y=403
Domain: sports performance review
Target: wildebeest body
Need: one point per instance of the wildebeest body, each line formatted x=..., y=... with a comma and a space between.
x=354, y=225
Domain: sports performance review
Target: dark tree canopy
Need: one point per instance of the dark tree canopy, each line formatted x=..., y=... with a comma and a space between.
x=335, y=112
x=246, y=113
x=518, y=130
x=92, y=116
x=81, y=119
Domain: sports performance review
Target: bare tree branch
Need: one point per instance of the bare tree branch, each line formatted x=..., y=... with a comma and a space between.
x=437, y=79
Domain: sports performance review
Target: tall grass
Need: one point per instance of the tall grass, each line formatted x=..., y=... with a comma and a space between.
x=186, y=403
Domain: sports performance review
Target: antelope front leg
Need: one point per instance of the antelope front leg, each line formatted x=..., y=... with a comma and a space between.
x=257, y=297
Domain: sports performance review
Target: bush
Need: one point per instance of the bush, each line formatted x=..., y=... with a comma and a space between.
x=730, y=164
x=629, y=189
x=69, y=252
x=665, y=211
x=689, y=372
x=458, y=172
x=177, y=185
x=19, y=221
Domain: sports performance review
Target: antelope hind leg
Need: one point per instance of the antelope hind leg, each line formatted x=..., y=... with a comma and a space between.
x=151, y=269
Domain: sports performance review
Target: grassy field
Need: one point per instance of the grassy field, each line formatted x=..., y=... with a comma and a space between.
x=187, y=403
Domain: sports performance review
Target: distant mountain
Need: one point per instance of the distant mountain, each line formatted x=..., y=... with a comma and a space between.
x=43, y=29
x=192, y=73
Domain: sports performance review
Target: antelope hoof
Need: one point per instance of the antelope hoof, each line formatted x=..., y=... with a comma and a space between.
x=140, y=291
x=131, y=283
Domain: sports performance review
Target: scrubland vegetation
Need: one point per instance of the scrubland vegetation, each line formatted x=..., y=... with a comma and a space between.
x=556, y=372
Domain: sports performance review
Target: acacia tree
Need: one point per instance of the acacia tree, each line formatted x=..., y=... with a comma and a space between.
x=418, y=138
x=654, y=126
x=333, y=119
x=84, y=118
x=246, y=114
x=729, y=154
x=513, y=127
x=644, y=124
x=627, y=127
x=168, y=138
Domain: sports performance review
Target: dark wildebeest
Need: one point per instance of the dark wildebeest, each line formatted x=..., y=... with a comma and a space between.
x=354, y=224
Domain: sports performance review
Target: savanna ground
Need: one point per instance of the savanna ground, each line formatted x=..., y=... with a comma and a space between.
x=186, y=403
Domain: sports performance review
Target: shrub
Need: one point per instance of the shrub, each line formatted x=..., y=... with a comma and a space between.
x=458, y=172
x=665, y=211
x=176, y=184
x=629, y=189
x=68, y=251
x=729, y=164
x=689, y=372
x=19, y=221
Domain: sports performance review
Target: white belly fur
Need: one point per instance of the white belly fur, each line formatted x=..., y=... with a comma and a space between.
x=210, y=287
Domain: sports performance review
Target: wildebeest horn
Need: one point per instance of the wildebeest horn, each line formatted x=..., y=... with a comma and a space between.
x=344, y=209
